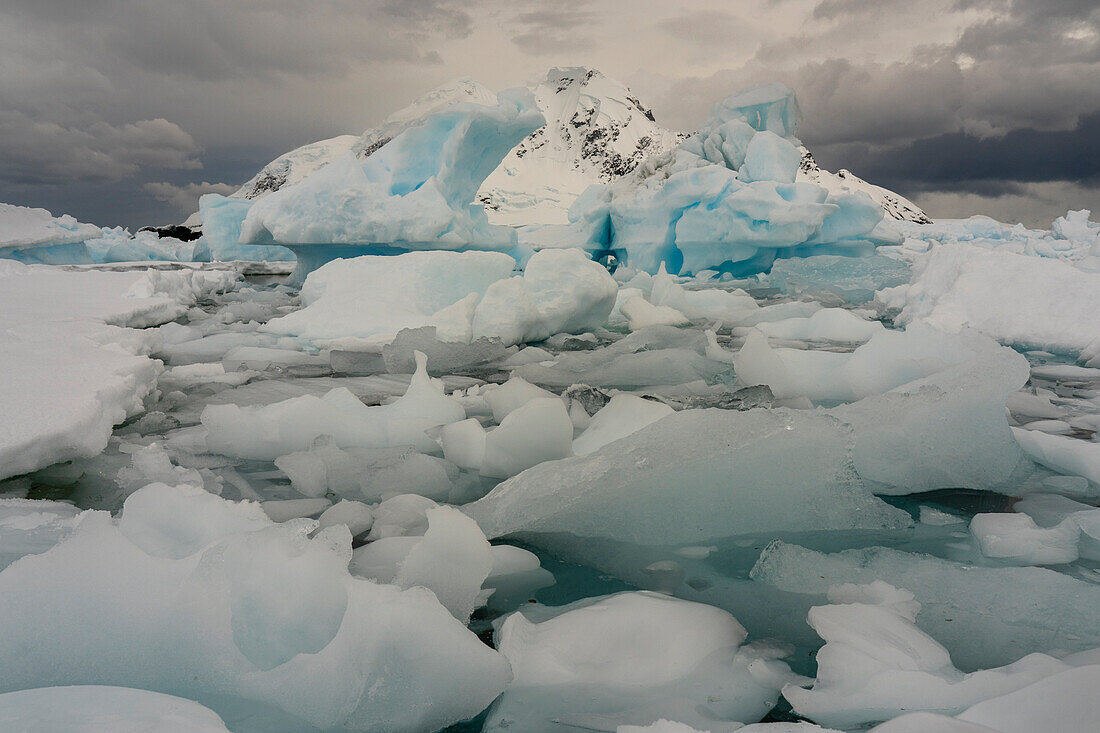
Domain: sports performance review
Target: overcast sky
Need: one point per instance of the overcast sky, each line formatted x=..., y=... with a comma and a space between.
x=124, y=111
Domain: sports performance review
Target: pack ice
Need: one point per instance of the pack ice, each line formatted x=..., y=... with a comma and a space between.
x=778, y=467
x=74, y=363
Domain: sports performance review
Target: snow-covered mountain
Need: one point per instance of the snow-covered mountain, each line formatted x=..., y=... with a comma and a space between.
x=305, y=161
x=294, y=166
x=596, y=130
x=895, y=205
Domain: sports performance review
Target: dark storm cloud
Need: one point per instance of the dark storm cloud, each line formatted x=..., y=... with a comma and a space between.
x=964, y=162
x=47, y=152
x=114, y=91
x=133, y=91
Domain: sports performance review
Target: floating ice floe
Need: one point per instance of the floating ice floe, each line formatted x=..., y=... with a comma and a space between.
x=73, y=364
x=876, y=664
x=963, y=606
x=1035, y=302
x=275, y=430
x=464, y=296
x=35, y=236
x=732, y=470
x=103, y=709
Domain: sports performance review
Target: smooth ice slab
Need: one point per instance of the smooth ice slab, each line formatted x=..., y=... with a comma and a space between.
x=694, y=476
x=103, y=709
x=851, y=280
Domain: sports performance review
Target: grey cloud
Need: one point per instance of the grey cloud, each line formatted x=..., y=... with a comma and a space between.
x=553, y=27
x=449, y=18
x=185, y=198
x=35, y=151
x=830, y=9
x=708, y=27
x=966, y=162
x=211, y=40
x=1033, y=204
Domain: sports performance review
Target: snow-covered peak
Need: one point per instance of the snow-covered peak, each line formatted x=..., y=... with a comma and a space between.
x=463, y=89
x=895, y=205
x=596, y=130
x=294, y=166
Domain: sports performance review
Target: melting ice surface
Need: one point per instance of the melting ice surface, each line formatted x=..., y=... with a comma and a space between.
x=450, y=489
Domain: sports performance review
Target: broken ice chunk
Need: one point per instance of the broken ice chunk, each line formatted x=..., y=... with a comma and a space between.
x=876, y=663
x=369, y=474
x=267, y=432
x=538, y=431
x=624, y=415
x=205, y=584
x=630, y=658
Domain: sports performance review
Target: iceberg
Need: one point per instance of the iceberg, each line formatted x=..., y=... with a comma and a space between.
x=727, y=200
x=222, y=218
x=415, y=192
x=35, y=236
